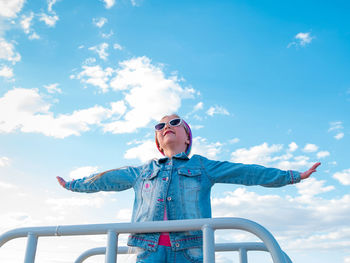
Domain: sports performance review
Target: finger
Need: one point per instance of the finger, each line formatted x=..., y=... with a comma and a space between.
x=315, y=166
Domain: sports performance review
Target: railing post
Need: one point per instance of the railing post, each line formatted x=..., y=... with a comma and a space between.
x=32, y=242
x=112, y=247
x=243, y=257
x=208, y=244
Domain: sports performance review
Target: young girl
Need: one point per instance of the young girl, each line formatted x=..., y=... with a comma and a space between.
x=177, y=187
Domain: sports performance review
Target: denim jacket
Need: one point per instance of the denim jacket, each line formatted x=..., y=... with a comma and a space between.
x=181, y=185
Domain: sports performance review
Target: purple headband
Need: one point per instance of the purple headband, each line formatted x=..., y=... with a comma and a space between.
x=189, y=147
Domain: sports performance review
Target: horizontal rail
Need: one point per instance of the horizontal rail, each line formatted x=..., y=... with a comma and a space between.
x=155, y=226
x=219, y=247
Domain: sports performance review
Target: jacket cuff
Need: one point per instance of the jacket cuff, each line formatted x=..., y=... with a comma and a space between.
x=294, y=177
x=68, y=185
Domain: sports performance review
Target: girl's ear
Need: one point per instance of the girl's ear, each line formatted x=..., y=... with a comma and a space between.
x=187, y=141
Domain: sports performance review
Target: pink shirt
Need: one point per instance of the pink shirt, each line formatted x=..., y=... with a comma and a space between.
x=164, y=239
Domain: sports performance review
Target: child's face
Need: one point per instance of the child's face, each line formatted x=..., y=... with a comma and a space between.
x=172, y=136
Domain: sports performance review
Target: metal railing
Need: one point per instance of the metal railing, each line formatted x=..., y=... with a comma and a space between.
x=242, y=248
x=208, y=226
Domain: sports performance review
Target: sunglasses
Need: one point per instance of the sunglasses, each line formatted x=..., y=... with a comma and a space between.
x=173, y=123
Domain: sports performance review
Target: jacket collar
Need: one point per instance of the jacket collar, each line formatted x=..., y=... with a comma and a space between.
x=181, y=156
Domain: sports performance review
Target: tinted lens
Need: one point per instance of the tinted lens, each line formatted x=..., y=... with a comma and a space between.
x=159, y=126
x=175, y=122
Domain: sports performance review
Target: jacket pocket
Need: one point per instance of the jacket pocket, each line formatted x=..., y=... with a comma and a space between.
x=190, y=177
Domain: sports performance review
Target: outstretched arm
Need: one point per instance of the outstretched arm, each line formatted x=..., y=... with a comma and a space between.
x=251, y=174
x=112, y=180
x=307, y=174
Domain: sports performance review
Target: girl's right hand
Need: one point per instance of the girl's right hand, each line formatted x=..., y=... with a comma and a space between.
x=61, y=181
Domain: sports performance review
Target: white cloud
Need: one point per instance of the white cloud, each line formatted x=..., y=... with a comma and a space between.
x=335, y=125
x=25, y=110
x=9, y=9
x=301, y=39
x=84, y=171
x=304, y=38
x=99, y=22
x=196, y=127
x=323, y=154
x=339, y=136
x=201, y=146
x=117, y=46
x=347, y=260
x=271, y=156
x=6, y=72
x=293, y=147
x=26, y=22
x=260, y=154
x=144, y=151
x=34, y=36
x=89, y=61
x=149, y=95
x=50, y=4
x=4, y=161
x=50, y=20
x=101, y=50
x=124, y=215
x=297, y=163
x=108, y=35
x=96, y=76
x=109, y=3
x=312, y=187
x=14, y=220
x=310, y=148
x=118, y=107
x=53, y=88
x=198, y=106
x=65, y=203
x=7, y=52
x=7, y=185
x=308, y=222
x=343, y=176
x=217, y=110
x=234, y=140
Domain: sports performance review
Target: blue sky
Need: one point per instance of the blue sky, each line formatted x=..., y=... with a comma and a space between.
x=83, y=82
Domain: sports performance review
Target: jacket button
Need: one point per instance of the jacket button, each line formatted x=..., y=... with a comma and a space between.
x=169, y=198
x=177, y=245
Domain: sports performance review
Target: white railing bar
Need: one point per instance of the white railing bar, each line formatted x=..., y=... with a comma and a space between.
x=155, y=226
x=208, y=244
x=112, y=245
x=243, y=256
x=219, y=247
x=32, y=242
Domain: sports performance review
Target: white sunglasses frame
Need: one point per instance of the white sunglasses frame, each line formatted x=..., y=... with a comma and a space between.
x=165, y=123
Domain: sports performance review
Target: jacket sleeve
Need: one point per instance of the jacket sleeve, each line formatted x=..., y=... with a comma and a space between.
x=248, y=174
x=113, y=180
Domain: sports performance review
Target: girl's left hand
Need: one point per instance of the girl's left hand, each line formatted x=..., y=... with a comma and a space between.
x=306, y=174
